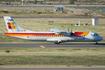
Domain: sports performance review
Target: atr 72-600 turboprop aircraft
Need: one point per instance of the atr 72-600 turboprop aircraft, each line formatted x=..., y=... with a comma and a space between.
x=57, y=36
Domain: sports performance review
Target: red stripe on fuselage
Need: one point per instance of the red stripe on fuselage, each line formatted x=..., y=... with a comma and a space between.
x=77, y=33
x=30, y=33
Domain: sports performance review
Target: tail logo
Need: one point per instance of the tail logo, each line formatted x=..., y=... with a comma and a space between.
x=11, y=25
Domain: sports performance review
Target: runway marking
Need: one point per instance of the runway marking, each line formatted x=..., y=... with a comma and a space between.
x=42, y=46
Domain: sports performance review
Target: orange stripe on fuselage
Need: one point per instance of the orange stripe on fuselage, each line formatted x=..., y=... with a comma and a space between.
x=85, y=33
x=31, y=34
x=45, y=34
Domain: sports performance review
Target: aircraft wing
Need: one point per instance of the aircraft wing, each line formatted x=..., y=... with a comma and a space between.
x=61, y=32
x=58, y=31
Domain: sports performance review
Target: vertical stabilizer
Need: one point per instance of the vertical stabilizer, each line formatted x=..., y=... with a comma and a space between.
x=12, y=27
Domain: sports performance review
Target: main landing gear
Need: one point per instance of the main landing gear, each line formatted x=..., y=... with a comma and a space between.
x=57, y=42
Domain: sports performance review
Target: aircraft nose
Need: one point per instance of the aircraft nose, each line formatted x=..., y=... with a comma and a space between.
x=100, y=38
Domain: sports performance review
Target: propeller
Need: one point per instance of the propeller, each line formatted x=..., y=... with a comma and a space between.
x=68, y=29
x=71, y=32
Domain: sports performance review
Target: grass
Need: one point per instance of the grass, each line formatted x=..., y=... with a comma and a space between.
x=54, y=59
x=42, y=24
x=40, y=59
x=11, y=49
x=33, y=13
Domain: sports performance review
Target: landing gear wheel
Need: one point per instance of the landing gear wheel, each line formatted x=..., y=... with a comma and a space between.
x=96, y=42
x=57, y=42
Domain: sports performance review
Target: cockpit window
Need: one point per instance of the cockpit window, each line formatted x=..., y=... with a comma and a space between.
x=95, y=34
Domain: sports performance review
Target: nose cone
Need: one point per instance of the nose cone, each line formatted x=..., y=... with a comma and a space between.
x=100, y=38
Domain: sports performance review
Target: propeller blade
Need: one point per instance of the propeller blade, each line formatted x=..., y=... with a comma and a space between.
x=68, y=29
x=71, y=30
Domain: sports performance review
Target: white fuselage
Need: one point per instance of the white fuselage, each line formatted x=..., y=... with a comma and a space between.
x=55, y=35
x=52, y=37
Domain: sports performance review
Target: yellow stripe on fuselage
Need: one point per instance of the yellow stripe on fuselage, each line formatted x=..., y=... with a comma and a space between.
x=35, y=35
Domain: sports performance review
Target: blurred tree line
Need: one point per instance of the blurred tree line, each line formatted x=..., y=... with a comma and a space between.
x=10, y=0
x=70, y=1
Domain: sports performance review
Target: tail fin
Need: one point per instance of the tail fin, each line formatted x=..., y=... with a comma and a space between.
x=12, y=27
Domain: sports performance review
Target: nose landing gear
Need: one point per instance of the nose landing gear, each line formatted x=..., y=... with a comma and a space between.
x=96, y=42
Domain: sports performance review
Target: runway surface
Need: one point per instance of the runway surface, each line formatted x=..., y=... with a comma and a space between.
x=56, y=68
x=62, y=45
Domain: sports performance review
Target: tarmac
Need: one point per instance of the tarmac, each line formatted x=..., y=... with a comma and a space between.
x=51, y=45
